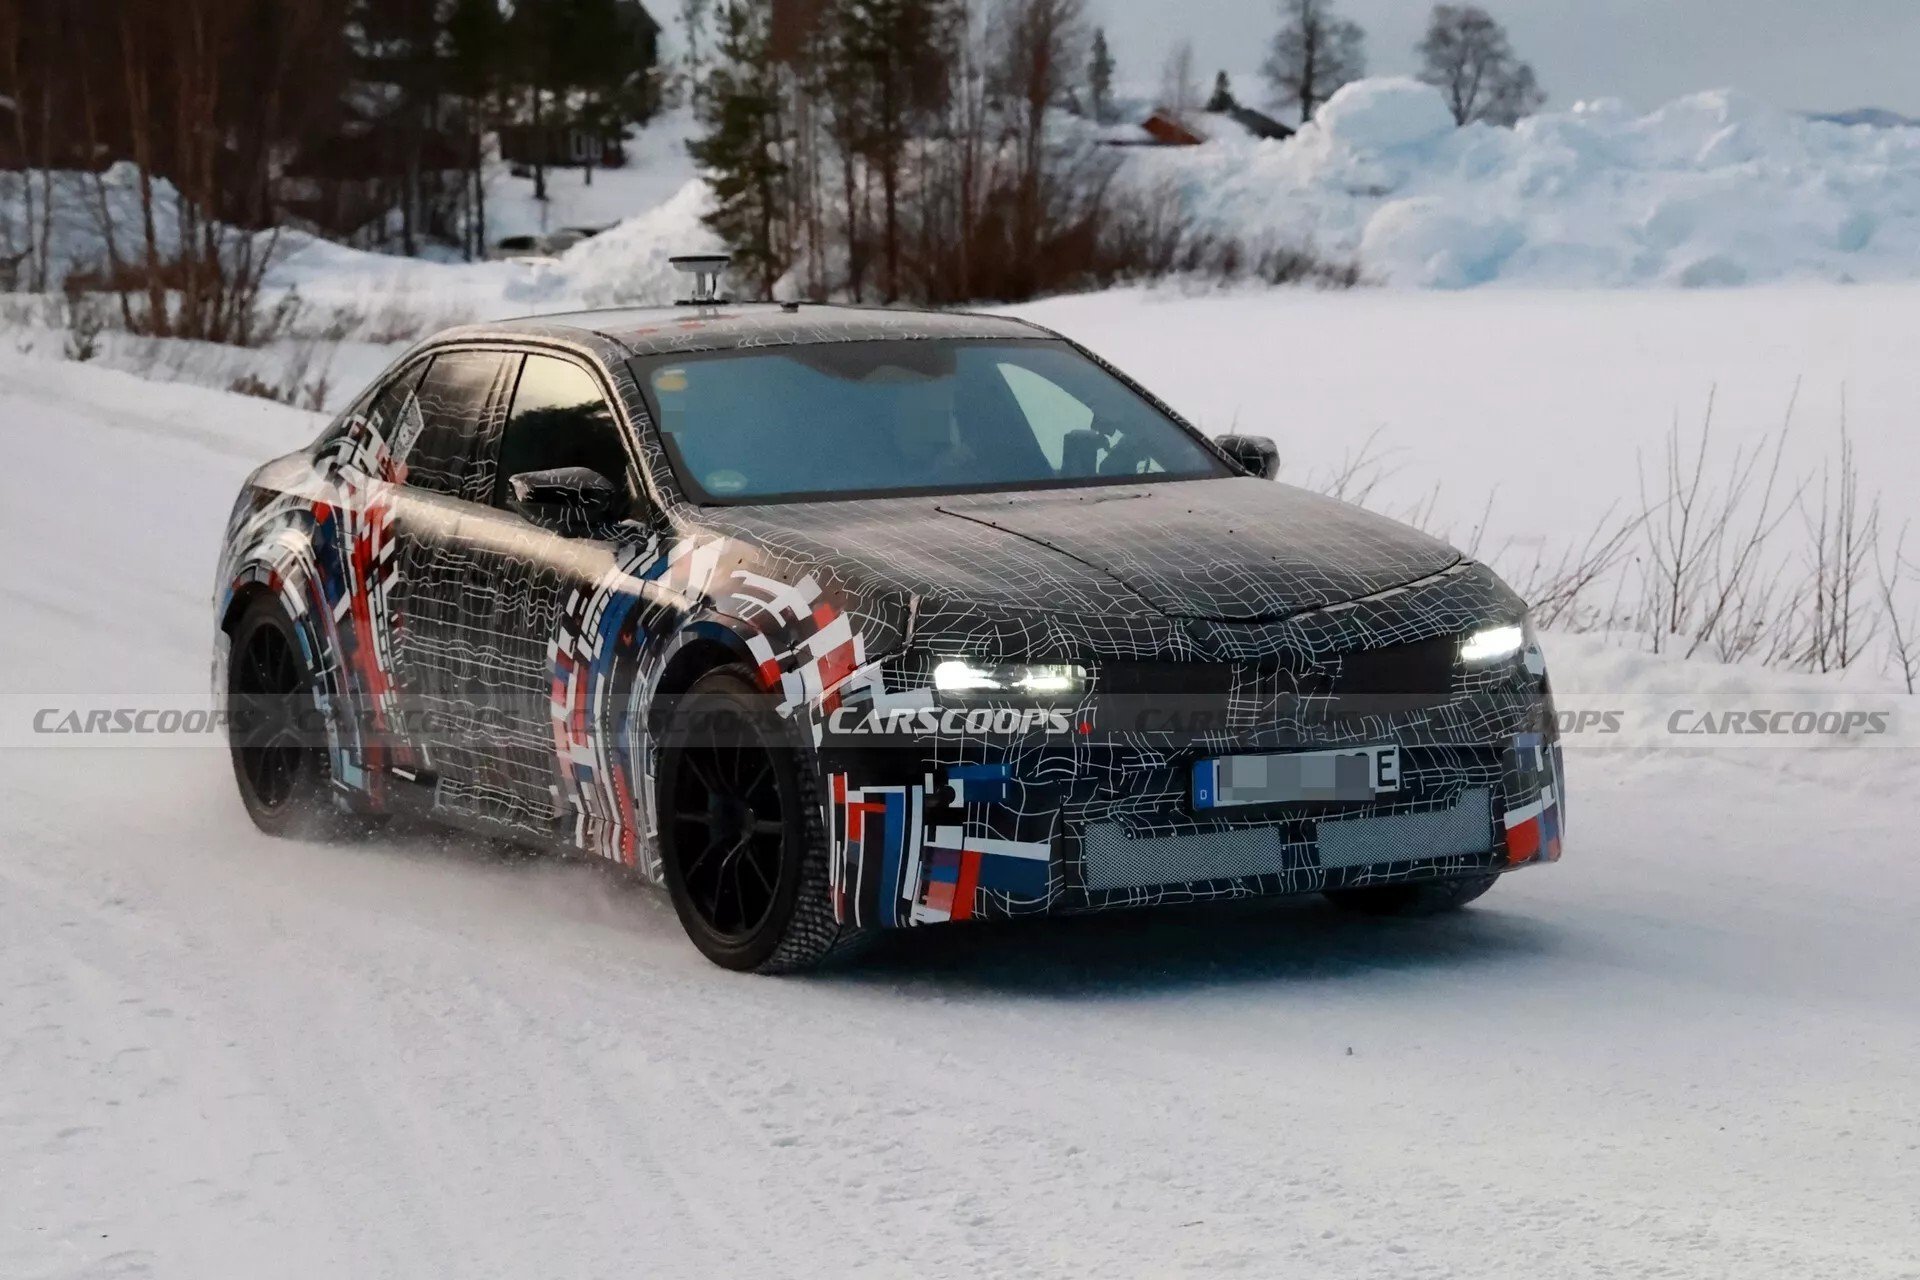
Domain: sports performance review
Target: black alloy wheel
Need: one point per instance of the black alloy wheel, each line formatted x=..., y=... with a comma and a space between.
x=742, y=850
x=273, y=733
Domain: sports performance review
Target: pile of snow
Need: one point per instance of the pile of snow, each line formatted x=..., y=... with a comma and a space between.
x=1712, y=189
x=1709, y=190
x=652, y=208
x=626, y=264
x=58, y=213
x=1384, y=115
x=657, y=167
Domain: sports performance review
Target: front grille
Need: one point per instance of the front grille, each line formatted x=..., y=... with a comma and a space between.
x=1163, y=679
x=1179, y=697
x=1422, y=668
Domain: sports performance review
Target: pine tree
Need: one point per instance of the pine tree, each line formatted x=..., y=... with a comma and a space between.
x=606, y=65
x=537, y=37
x=476, y=63
x=397, y=43
x=741, y=149
x=1100, y=78
x=898, y=48
x=1222, y=98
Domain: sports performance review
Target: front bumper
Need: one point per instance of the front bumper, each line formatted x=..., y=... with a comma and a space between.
x=1098, y=812
x=1041, y=828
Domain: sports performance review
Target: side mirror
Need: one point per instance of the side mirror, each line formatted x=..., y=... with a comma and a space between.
x=568, y=500
x=1258, y=454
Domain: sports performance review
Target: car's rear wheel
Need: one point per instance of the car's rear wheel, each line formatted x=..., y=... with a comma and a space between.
x=1424, y=898
x=273, y=732
x=742, y=850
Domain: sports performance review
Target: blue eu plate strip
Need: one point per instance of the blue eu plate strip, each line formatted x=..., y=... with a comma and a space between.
x=1206, y=783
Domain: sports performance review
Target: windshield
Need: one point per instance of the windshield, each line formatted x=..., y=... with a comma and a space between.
x=870, y=419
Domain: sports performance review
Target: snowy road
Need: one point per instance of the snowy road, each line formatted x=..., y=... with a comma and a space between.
x=1689, y=1050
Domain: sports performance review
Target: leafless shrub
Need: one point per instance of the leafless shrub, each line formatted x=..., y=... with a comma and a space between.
x=1705, y=563
x=293, y=386
x=1361, y=470
x=342, y=323
x=1565, y=592
x=252, y=384
x=1843, y=529
x=1709, y=562
x=1893, y=573
x=83, y=318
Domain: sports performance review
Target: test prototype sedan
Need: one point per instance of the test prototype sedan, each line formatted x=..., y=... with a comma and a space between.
x=835, y=620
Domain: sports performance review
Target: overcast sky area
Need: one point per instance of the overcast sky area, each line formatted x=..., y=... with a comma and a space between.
x=1802, y=54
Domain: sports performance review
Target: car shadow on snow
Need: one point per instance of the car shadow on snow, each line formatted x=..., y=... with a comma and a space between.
x=1287, y=940
x=1291, y=940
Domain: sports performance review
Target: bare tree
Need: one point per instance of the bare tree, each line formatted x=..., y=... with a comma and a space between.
x=1467, y=56
x=693, y=29
x=1314, y=53
x=32, y=86
x=1179, y=91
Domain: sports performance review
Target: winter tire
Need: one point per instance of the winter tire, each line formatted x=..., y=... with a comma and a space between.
x=742, y=848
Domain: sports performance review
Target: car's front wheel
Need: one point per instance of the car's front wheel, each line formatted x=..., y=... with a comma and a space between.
x=1424, y=898
x=742, y=850
x=279, y=763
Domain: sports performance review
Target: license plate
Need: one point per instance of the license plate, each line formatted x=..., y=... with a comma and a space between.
x=1346, y=773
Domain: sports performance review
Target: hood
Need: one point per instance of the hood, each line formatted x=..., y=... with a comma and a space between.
x=1237, y=549
x=1227, y=550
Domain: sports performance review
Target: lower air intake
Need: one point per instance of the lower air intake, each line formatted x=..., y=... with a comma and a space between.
x=1115, y=862
x=1402, y=837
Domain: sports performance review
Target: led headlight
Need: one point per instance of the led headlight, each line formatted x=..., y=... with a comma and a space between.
x=1017, y=679
x=1490, y=644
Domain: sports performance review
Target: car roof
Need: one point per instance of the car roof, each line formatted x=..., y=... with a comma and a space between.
x=658, y=330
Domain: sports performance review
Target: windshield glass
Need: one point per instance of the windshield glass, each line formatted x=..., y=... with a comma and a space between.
x=869, y=419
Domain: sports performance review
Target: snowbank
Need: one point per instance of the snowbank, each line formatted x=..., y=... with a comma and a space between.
x=626, y=264
x=1712, y=189
x=67, y=204
x=657, y=167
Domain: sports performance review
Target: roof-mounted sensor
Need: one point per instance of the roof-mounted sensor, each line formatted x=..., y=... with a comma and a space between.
x=706, y=270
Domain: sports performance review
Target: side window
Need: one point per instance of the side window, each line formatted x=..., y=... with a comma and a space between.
x=379, y=406
x=451, y=453
x=559, y=419
x=394, y=414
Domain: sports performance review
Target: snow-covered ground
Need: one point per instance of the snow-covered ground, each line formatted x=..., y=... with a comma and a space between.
x=1685, y=1051
x=1545, y=403
x=1531, y=412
